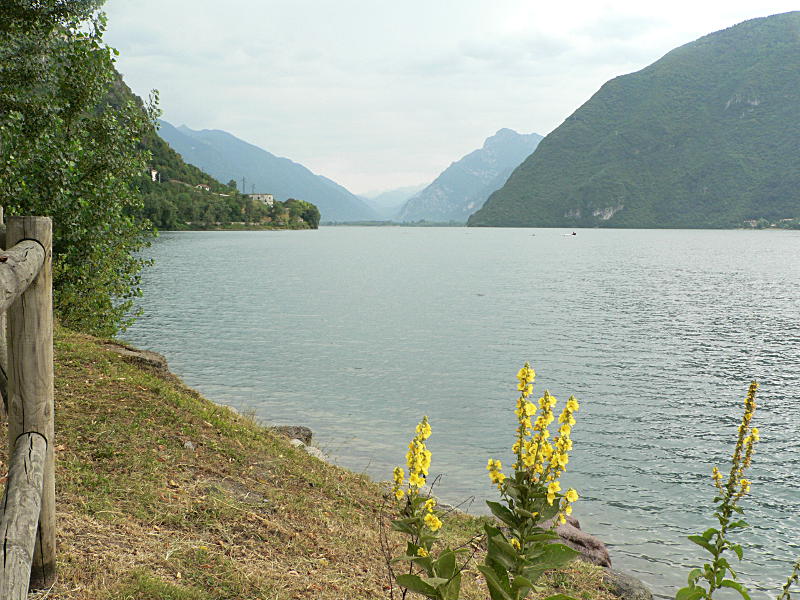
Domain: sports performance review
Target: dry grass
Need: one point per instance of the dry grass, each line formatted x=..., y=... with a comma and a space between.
x=243, y=515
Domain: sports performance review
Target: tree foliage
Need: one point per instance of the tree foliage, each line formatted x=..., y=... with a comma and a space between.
x=64, y=153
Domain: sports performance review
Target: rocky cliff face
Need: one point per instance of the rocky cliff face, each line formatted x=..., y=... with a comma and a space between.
x=464, y=186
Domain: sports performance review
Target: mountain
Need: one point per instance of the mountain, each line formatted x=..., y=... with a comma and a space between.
x=466, y=184
x=388, y=203
x=707, y=136
x=226, y=157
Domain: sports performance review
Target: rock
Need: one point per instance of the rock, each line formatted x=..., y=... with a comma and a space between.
x=189, y=445
x=625, y=586
x=143, y=358
x=592, y=549
x=295, y=432
x=316, y=453
x=297, y=443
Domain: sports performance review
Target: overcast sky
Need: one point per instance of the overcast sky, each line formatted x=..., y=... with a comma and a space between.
x=376, y=94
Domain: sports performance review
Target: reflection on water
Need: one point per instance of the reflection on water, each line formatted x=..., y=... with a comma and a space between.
x=358, y=332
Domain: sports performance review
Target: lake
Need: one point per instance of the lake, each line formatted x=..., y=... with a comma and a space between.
x=358, y=332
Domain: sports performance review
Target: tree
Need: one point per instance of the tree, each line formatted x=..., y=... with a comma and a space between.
x=65, y=155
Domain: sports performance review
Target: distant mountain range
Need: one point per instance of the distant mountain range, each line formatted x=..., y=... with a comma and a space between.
x=388, y=203
x=226, y=157
x=464, y=186
x=707, y=136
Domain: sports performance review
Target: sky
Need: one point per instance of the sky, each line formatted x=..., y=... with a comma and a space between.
x=379, y=95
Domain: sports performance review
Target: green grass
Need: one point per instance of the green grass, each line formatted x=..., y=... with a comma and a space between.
x=243, y=515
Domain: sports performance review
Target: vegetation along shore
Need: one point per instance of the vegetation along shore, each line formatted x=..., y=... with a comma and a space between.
x=163, y=494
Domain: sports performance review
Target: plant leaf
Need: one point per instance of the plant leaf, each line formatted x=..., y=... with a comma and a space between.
x=690, y=593
x=502, y=513
x=496, y=588
x=736, y=586
x=701, y=541
x=415, y=584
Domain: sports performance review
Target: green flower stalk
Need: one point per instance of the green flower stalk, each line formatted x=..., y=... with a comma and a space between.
x=718, y=573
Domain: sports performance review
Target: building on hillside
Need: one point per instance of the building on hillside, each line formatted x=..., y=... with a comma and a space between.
x=203, y=186
x=267, y=199
x=154, y=175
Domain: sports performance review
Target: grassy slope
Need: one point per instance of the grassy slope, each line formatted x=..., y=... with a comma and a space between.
x=243, y=515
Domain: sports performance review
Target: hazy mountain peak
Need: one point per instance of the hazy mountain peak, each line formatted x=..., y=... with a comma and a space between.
x=463, y=187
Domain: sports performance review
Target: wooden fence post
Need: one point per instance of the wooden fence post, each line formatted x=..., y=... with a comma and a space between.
x=30, y=379
x=3, y=346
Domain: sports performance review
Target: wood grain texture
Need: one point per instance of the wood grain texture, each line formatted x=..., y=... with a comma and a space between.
x=19, y=521
x=30, y=380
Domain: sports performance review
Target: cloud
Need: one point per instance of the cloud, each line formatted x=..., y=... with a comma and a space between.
x=375, y=94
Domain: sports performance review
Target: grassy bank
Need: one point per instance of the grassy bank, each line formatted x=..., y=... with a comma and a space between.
x=163, y=495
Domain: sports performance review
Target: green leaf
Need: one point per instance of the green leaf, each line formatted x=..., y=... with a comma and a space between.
x=415, y=584
x=557, y=555
x=445, y=566
x=694, y=575
x=502, y=513
x=402, y=527
x=736, y=586
x=709, y=533
x=452, y=590
x=737, y=549
x=690, y=593
x=496, y=588
x=739, y=523
x=701, y=541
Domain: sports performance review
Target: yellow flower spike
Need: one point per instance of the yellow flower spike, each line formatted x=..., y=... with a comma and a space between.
x=429, y=504
x=432, y=522
x=398, y=475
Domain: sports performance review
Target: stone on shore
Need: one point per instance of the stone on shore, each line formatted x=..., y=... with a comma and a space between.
x=294, y=432
x=625, y=586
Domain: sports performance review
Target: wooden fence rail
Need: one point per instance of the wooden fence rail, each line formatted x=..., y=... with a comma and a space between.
x=27, y=522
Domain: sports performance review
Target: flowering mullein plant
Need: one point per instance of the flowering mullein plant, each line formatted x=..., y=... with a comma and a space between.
x=518, y=554
x=718, y=573
x=429, y=574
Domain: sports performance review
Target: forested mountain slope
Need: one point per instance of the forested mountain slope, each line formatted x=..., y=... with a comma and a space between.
x=707, y=136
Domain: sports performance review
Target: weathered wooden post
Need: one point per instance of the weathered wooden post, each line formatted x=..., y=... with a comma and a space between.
x=3, y=348
x=30, y=382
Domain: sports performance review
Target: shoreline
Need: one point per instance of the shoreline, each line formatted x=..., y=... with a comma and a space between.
x=591, y=548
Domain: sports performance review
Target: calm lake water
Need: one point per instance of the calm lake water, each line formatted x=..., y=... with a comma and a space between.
x=358, y=332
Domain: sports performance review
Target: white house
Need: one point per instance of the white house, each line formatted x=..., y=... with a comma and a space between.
x=267, y=199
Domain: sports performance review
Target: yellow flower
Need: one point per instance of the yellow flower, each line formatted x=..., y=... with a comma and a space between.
x=552, y=488
x=571, y=495
x=398, y=493
x=422, y=552
x=515, y=543
x=398, y=475
x=429, y=504
x=432, y=522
